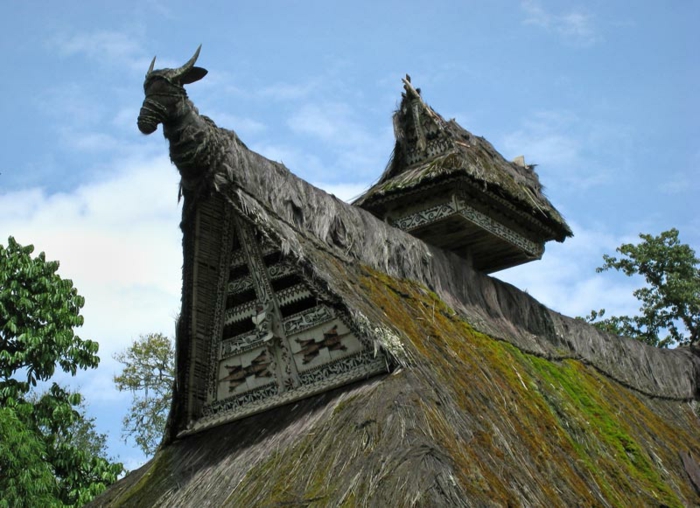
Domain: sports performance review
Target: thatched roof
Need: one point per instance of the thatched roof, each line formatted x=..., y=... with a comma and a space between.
x=466, y=421
x=493, y=399
x=440, y=150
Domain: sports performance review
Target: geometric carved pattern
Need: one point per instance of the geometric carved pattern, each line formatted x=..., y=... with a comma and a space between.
x=425, y=137
x=279, y=270
x=268, y=318
x=324, y=344
x=238, y=258
x=503, y=203
x=244, y=311
x=228, y=242
x=424, y=217
x=308, y=319
x=315, y=381
x=443, y=210
x=433, y=148
x=241, y=400
x=311, y=348
x=493, y=226
x=293, y=294
x=240, y=285
x=239, y=344
x=279, y=342
x=338, y=367
x=258, y=367
x=246, y=283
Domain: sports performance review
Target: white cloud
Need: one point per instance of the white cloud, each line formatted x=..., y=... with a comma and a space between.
x=85, y=122
x=344, y=191
x=680, y=182
x=161, y=9
x=104, y=46
x=133, y=462
x=566, y=280
x=331, y=122
x=574, y=153
x=117, y=239
x=357, y=151
x=575, y=26
x=88, y=141
x=125, y=118
x=544, y=139
x=97, y=386
x=288, y=91
x=71, y=103
x=303, y=164
x=244, y=127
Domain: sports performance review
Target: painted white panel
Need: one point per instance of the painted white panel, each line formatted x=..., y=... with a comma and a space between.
x=245, y=372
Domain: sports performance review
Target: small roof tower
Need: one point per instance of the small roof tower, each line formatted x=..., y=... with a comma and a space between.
x=455, y=191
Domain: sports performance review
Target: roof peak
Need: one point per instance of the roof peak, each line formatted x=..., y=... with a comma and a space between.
x=415, y=93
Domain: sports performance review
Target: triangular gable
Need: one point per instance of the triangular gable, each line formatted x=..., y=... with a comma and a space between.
x=260, y=332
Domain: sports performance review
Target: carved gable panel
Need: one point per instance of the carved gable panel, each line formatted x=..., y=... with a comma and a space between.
x=424, y=135
x=275, y=337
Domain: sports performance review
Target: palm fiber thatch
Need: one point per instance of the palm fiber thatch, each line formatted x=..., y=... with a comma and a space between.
x=467, y=421
x=492, y=400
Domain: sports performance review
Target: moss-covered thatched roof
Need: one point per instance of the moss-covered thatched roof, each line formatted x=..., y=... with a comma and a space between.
x=460, y=154
x=467, y=420
x=492, y=400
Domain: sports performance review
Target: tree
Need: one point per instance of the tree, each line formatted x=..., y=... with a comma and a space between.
x=671, y=299
x=25, y=477
x=41, y=460
x=149, y=373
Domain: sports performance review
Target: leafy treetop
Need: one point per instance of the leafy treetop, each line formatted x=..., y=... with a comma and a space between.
x=149, y=373
x=38, y=311
x=50, y=453
x=671, y=299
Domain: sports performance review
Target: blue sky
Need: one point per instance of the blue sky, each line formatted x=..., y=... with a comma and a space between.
x=602, y=95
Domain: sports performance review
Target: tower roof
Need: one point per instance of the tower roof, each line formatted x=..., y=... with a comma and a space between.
x=430, y=150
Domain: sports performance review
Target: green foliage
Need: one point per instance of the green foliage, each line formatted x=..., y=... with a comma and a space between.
x=671, y=299
x=50, y=453
x=26, y=478
x=38, y=311
x=76, y=451
x=149, y=373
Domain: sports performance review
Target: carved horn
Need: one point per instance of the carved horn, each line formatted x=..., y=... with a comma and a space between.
x=150, y=69
x=176, y=73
